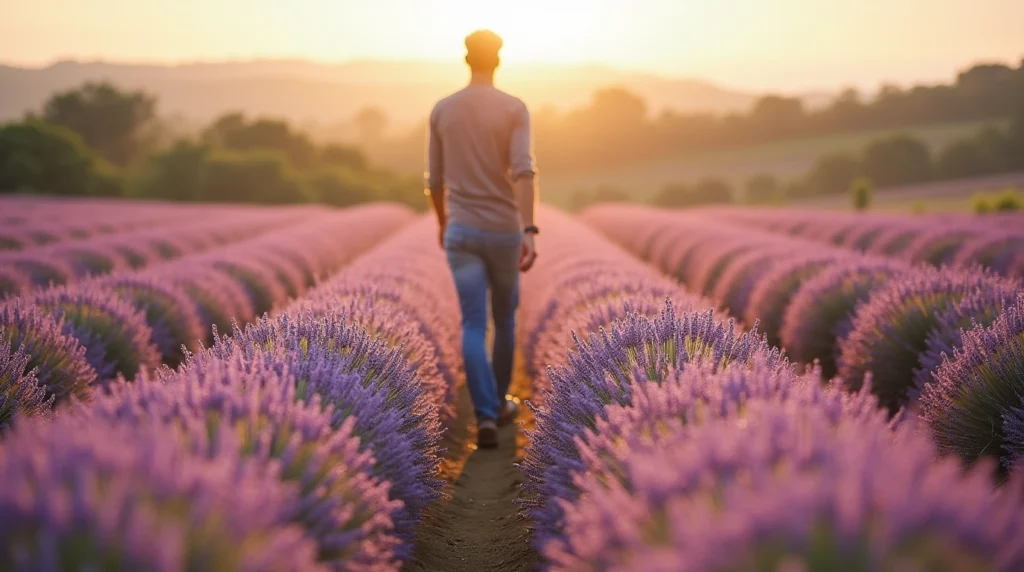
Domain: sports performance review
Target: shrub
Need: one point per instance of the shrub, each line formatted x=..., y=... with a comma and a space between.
x=20, y=392
x=172, y=317
x=58, y=359
x=46, y=158
x=821, y=314
x=862, y=190
x=891, y=330
x=339, y=504
x=974, y=406
x=116, y=337
x=85, y=494
x=897, y=160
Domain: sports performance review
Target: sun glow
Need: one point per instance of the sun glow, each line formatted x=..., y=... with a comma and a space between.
x=546, y=31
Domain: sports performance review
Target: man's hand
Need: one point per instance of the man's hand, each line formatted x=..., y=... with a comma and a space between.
x=527, y=253
x=440, y=235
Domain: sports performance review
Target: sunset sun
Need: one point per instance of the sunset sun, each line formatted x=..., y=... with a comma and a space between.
x=533, y=30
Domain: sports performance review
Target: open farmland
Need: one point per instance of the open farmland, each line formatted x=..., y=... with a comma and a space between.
x=281, y=388
x=783, y=159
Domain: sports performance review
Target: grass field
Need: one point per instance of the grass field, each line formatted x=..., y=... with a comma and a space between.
x=784, y=159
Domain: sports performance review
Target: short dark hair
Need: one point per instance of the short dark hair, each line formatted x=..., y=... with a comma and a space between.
x=482, y=47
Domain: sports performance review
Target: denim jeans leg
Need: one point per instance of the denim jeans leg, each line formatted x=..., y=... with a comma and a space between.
x=503, y=271
x=470, y=274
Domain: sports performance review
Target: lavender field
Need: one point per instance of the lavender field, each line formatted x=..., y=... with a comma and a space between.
x=230, y=387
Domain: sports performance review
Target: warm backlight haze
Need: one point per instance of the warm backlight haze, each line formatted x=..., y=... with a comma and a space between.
x=754, y=44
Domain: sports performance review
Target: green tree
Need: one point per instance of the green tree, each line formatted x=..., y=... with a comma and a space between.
x=177, y=173
x=762, y=188
x=232, y=131
x=897, y=160
x=337, y=155
x=673, y=195
x=341, y=187
x=116, y=123
x=254, y=177
x=832, y=174
x=712, y=190
x=861, y=192
x=963, y=158
x=35, y=156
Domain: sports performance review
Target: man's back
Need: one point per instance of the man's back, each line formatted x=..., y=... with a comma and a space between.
x=479, y=141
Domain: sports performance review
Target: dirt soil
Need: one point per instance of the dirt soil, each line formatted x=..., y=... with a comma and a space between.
x=477, y=527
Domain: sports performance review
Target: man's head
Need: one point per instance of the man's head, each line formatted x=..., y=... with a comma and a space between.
x=482, y=49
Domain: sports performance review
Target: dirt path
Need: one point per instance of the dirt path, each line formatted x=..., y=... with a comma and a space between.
x=478, y=528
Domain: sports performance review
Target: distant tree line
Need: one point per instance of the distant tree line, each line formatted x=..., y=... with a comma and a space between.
x=618, y=128
x=98, y=140
x=888, y=161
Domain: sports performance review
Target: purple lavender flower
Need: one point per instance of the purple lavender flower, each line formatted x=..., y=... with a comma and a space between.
x=894, y=239
x=58, y=359
x=220, y=300
x=264, y=290
x=783, y=483
x=88, y=260
x=605, y=369
x=970, y=405
x=821, y=313
x=172, y=317
x=116, y=337
x=20, y=392
x=939, y=245
x=13, y=282
x=10, y=240
x=86, y=494
x=999, y=251
x=43, y=270
x=773, y=292
x=743, y=275
x=359, y=376
x=340, y=505
x=399, y=327
x=891, y=330
x=980, y=309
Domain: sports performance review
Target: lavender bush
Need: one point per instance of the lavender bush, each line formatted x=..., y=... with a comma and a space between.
x=890, y=331
x=339, y=505
x=21, y=394
x=821, y=314
x=89, y=495
x=973, y=407
x=58, y=359
x=116, y=337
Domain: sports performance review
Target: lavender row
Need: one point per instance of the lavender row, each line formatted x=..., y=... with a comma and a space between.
x=995, y=242
x=674, y=442
x=751, y=467
x=120, y=325
x=29, y=222
x=855, y=314
x=73, y=261
x=580, y=286
x=304, y=441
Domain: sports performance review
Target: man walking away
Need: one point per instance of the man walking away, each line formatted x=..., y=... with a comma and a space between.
x=480, y=152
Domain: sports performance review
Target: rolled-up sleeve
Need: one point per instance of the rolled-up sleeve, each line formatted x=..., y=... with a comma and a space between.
x=435, y=157
x=521, y=163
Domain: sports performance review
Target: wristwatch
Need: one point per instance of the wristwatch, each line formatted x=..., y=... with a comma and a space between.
x=532, y=229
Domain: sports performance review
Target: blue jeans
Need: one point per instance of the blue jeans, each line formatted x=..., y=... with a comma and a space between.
x=482, y=260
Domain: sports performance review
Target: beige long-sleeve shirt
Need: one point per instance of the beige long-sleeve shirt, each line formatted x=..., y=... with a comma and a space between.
x=479, y=143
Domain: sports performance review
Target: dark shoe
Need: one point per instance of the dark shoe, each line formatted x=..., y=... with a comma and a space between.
x=508, y=412
x=487, y=434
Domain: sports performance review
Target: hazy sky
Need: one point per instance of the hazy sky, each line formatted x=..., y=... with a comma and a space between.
x=780, y=44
